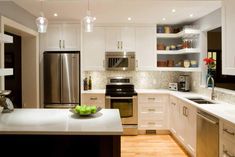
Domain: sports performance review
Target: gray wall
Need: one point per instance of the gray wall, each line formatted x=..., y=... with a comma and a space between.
x=18, y=14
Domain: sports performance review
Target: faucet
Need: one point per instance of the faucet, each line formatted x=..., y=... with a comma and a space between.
x=213, y=96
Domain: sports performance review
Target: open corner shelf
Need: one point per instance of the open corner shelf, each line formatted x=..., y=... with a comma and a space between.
x=177, y=52
x=180, y=69
x=186, y=33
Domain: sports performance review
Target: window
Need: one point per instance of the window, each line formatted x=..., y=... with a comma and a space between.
x=215, y=52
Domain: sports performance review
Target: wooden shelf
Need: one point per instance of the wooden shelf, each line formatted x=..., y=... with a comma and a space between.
x=178, y=52
x=186, y=33
x=6, y=38
x=6, y=72
x=178, y=69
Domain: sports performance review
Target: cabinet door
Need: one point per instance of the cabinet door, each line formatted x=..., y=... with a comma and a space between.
x=113, y=39
x=190, y=128
x=128, y=39
x=71, y=37
x=145, y=46
x=53, y=37
x=174, y=115
x=228, y=33
x=182, y=122
x=94, y=49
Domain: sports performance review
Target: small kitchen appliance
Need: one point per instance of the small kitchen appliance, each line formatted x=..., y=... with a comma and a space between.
x=184, y=83
x=173, y=86
x=5, y=102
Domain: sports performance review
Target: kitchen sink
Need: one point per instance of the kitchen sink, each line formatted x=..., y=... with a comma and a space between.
x=200, y=101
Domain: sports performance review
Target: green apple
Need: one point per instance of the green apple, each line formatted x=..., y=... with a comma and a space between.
x=93, y=109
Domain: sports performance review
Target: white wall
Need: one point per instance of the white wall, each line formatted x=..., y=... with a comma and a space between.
x=207, y=23
x=18, y=14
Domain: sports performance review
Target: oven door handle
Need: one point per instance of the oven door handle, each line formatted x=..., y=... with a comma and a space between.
x=108, y=97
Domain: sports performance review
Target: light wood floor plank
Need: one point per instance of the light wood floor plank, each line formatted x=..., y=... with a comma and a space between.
x=150, y=146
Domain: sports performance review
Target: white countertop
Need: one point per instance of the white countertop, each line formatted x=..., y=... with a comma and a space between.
x=60, y=122
x=94, y=91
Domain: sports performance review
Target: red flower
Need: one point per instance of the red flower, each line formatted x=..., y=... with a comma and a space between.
x=209, y=61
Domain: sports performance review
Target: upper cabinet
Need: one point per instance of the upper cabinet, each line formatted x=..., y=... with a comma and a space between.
x=145, y=48
x=6, y=38
x=93, y=52
x=228, y=33
x=62, y=37
x=120, y=39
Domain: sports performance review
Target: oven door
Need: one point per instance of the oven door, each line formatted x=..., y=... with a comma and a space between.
x=127, y=107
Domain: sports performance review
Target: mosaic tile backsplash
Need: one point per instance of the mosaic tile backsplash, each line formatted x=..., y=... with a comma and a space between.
x=221, y=94
x=141, y=79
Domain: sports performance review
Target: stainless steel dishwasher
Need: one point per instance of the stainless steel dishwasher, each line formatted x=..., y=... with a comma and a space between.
x=207, y=135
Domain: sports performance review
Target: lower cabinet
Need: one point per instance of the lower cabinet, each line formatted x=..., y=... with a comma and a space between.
x=183, y=123
x=93, y=99
x=153, y=111
x=227, y=139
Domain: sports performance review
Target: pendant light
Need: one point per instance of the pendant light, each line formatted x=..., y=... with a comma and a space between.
x=41, y=21
x=88, y=20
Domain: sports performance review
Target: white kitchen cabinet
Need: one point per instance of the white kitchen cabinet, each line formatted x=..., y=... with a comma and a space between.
x=145, y=48
x=120, y=39
x=183, y=123
x=227, y=139
x=228, y=33
x=153, y=111
x=62, y=37
x=93, y=99
x=93, y=53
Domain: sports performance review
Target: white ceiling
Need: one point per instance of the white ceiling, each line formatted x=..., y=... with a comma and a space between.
x=117, y=11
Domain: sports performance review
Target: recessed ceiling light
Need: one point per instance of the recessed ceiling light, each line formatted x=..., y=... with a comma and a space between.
x=173, y=10
x=55, y=14
x=129, y=18
x=94, y=18
x=164, y=19
x=191, y=15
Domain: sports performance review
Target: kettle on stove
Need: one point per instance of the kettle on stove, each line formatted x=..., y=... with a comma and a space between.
x=6, y=102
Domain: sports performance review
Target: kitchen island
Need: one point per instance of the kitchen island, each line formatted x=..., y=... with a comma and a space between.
x=59, y=132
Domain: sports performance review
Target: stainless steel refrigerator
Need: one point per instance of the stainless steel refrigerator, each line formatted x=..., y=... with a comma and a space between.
x=61, y=79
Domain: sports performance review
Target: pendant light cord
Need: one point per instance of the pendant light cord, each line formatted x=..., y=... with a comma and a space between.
x=88, y=3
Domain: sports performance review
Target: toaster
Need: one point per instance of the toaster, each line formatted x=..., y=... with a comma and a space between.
x=173, y=86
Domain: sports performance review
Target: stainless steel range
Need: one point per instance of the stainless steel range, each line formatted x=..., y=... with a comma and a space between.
x=120, y=94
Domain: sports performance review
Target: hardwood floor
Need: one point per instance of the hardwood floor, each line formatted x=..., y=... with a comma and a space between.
x=150, y=146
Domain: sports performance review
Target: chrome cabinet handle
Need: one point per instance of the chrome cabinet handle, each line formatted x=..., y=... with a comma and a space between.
x=63, y=44
x=121, y=45
x=93, y=98
x=151, y=110
x=228, y=154
x=118, y=45
x=228, y=132
x=185, y=111
x=151, y=98
x=207, y=119
x=151, y=123
x=60, y=44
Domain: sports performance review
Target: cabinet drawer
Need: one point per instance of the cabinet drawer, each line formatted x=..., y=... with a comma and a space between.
x=228, y=148
x=152, y=108
x=152, y=98
x=146, y=115
x=93, y=99
x=228, y=132
x=151, y=124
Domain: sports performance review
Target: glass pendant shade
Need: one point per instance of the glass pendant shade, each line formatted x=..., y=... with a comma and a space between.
x=88, y=22
x=42, y=23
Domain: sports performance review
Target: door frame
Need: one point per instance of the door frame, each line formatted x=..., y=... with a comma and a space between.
x=30, y=61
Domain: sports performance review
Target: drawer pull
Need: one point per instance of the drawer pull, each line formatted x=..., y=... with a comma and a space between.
x=228, y=132
x=151, y=123
x=151, y=98
x=228, y=154
x=93, y=98
x=151, y=110
x=173, y=103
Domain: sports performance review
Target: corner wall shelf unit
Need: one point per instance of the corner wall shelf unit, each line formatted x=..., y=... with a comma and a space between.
x=186, y=33
x=182, y=51
x=6, y=38
x=180, y=69
x=6, y=71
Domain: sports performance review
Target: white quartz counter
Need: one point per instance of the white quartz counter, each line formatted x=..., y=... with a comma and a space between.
x=94, y=91
x=60, y=122
x=220, y=109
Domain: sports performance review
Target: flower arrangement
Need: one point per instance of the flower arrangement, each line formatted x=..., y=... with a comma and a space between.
x=210, y=62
